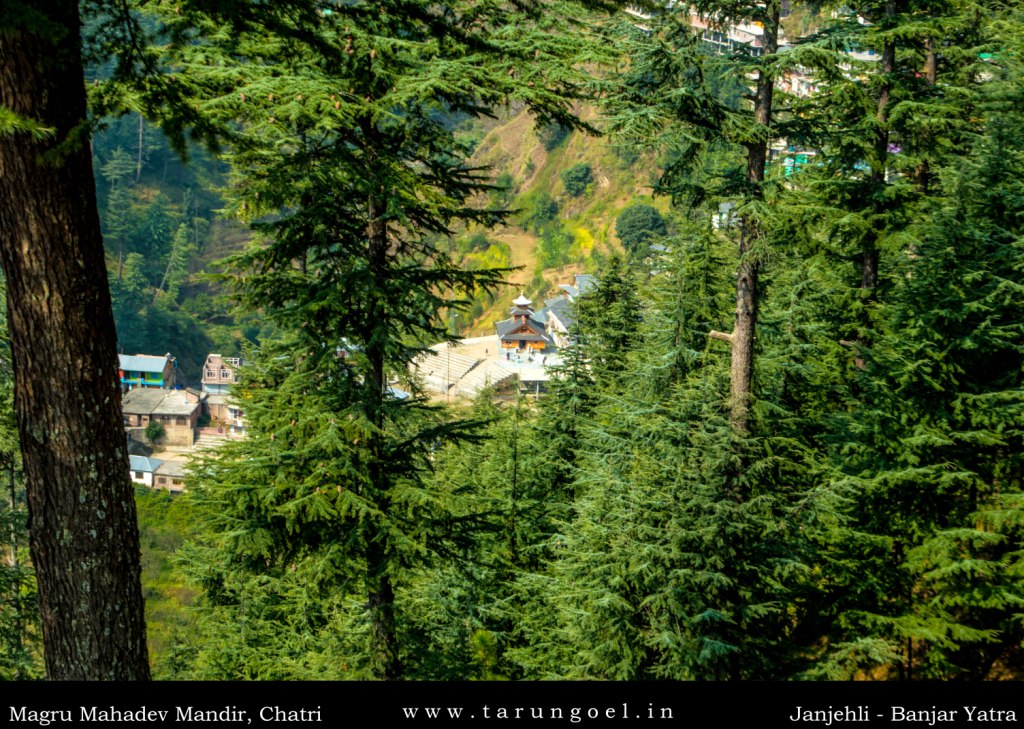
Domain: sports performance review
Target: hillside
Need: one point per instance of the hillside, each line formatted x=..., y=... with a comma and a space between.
x=530, y=163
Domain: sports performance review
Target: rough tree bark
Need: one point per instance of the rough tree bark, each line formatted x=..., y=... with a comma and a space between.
x=869, y=260
x=385, y=661
x=83, y=532
x=745, y=326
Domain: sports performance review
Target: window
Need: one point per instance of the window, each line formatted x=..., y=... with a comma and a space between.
x=139, y=475
x=179, y=421
x=210, y=374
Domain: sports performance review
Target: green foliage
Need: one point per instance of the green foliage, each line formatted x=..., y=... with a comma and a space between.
x=577, y=178
x=20, y=632
x=638, y=226
x=504, y=192
x=946, y=478
x=866, y=523
x=539, y=210
x=553, y=248
x=319, y=520
x=553, y=135
x=165, y=522
x=497, y=255
x=155, y=431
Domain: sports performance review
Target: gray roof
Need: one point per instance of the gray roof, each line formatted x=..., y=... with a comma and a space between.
x=586, y=282
x=174, y=469
x=563, y=311
x=504, y=327
x=142, y=362
x=142, y=463
x=156, y=401
x=142, y=400
x=508, y=326
x=175, y=403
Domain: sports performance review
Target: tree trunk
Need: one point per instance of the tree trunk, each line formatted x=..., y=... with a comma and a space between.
x=922, y=174
x=83, y=532
x=385, y=661
x=869, y=256
x=744, y=329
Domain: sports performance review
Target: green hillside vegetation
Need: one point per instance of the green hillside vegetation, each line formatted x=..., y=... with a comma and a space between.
x=581, y=235
x=163, y=234
x=782, y=441
x=165, y=523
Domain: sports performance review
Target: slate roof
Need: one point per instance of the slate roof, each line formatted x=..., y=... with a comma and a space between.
x=142, y=463
x=504, y=327
x=142, y=400
x=156, y=401
x=537, y=330
x=174, y=469
x=563, y=310
x=586, y=282
x=142, y=362
x=174, y=403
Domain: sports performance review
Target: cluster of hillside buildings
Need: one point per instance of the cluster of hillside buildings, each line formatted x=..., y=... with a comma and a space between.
x=151, y=394
x=517, y=357
x=529, y=330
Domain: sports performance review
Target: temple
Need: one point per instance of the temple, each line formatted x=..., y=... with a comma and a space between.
x=525, y=330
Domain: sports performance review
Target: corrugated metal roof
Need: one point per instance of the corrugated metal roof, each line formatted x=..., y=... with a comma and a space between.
x=141, y=463
x=142, y=362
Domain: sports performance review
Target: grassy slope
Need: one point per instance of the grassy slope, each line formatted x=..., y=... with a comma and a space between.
x=164, y=525
x=512, y=146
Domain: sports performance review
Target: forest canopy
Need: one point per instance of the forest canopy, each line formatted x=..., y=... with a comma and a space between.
x=779, y=435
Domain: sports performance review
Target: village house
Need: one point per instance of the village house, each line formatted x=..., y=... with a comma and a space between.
x=146, y=370
x=176, y=410
x=143, y=468
x=219, y=375
x=170, y=475
x=560, y=312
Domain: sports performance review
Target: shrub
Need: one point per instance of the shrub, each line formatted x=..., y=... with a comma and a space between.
x=506, y=192
x=576, y=179
x=155, y=431
x=543, y=209
x=638, y=225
